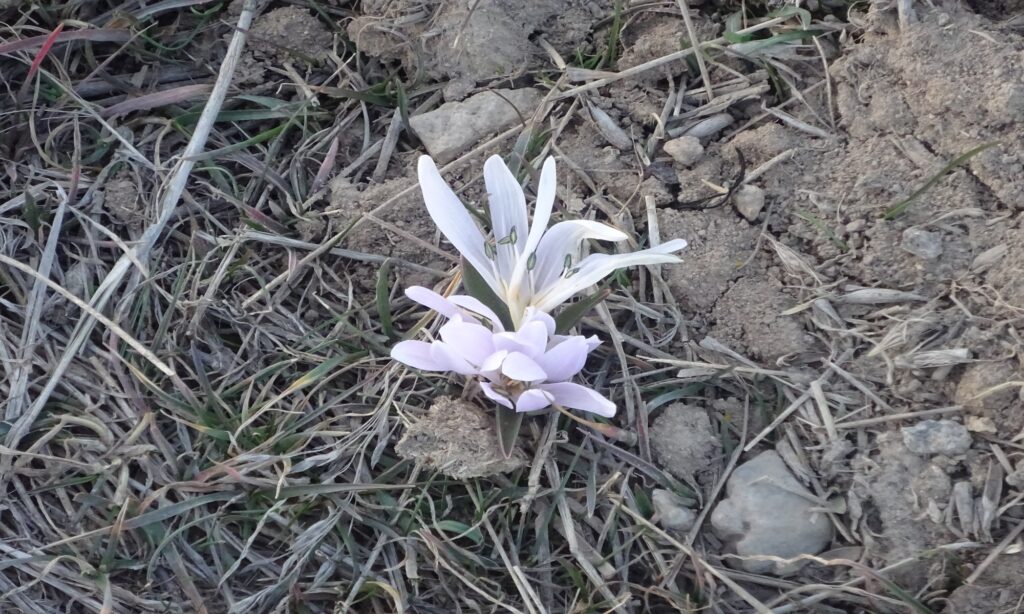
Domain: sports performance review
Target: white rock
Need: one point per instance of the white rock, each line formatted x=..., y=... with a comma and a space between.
x=769, y=513
x=670, y=511
x=922, y=243
x=453, y=128
x=749, y=200
x=856, y=226
x=686, y=150
x=937, y=437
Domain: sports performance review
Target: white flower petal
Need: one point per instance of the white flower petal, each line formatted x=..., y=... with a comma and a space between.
x=453, y=220
x=533, y=400
x=575, y=396
x=492, y=364
x=565, y=359
x=546, y=190
x=563, y=239
x=519, y=366
x=432, y=300
x=493, y=395
x=508, y=214
x=416, y=354
x=532, y=314
x=533, y=338
x=596, y=267
x=471, y=304
x=473, y=341
x=450, y=359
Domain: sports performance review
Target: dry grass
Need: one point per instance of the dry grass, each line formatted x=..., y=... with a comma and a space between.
x=199, y=412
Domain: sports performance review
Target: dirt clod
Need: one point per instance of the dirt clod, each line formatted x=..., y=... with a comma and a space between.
x=290, y=33
x=684, y=442
x=458, y=439
x=749, y=318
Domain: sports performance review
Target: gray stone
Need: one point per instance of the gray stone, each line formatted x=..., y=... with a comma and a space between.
x=922, y=243
x=937, y=437
x=670, y=511
x=749, y=200
x=769, y=513
x=453, y=128
x=686, y=150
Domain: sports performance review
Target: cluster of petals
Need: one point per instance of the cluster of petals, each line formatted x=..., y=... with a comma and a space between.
x=527, y=369
x=532, y=269
x=528, y=265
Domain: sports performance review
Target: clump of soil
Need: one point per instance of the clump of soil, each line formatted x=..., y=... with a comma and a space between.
x=289, y=34
x=654, y=35
x=458, y=439
x=997, y=589
x=286, y=35
x=121, y=200
x=685, y=443
x=469, y=41
x=749, y=317
x=900, y=488
x=405, y=223
x=980, y=391
x=719, y=243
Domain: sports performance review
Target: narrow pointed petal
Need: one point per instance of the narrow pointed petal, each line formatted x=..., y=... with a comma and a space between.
x=473, y=341
x=508, y=214
x=519, y=366
x=453, y=220
x=416, y=354
x=596, y=267
x=533, y=400
x=450, y=359
x=432, y=300
x=575, y=396
x=564, y=360
x=474, y=305
x=562, y=240
x=493, y=395
x=546, y=191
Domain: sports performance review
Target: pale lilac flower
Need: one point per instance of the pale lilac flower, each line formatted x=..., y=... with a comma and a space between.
x=528, y=265
x=526, y=370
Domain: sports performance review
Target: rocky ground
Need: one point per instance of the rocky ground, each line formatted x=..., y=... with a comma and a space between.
x=822, y=408
x=869, y=266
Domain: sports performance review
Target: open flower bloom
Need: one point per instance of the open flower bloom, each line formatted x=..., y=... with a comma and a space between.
x=528, y=265
x=527, y=369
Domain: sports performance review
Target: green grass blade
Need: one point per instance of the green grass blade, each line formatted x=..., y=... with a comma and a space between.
x=899, y=208
x=384, y=300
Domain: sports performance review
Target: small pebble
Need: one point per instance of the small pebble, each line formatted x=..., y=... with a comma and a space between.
x=922, y=243
x=749, y=200
x=670, y=511
x=937, y=437
x=686, y=150
x=856, y=226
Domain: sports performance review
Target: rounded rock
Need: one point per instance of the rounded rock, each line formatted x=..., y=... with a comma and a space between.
x=769, y=513
x=686, y=150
